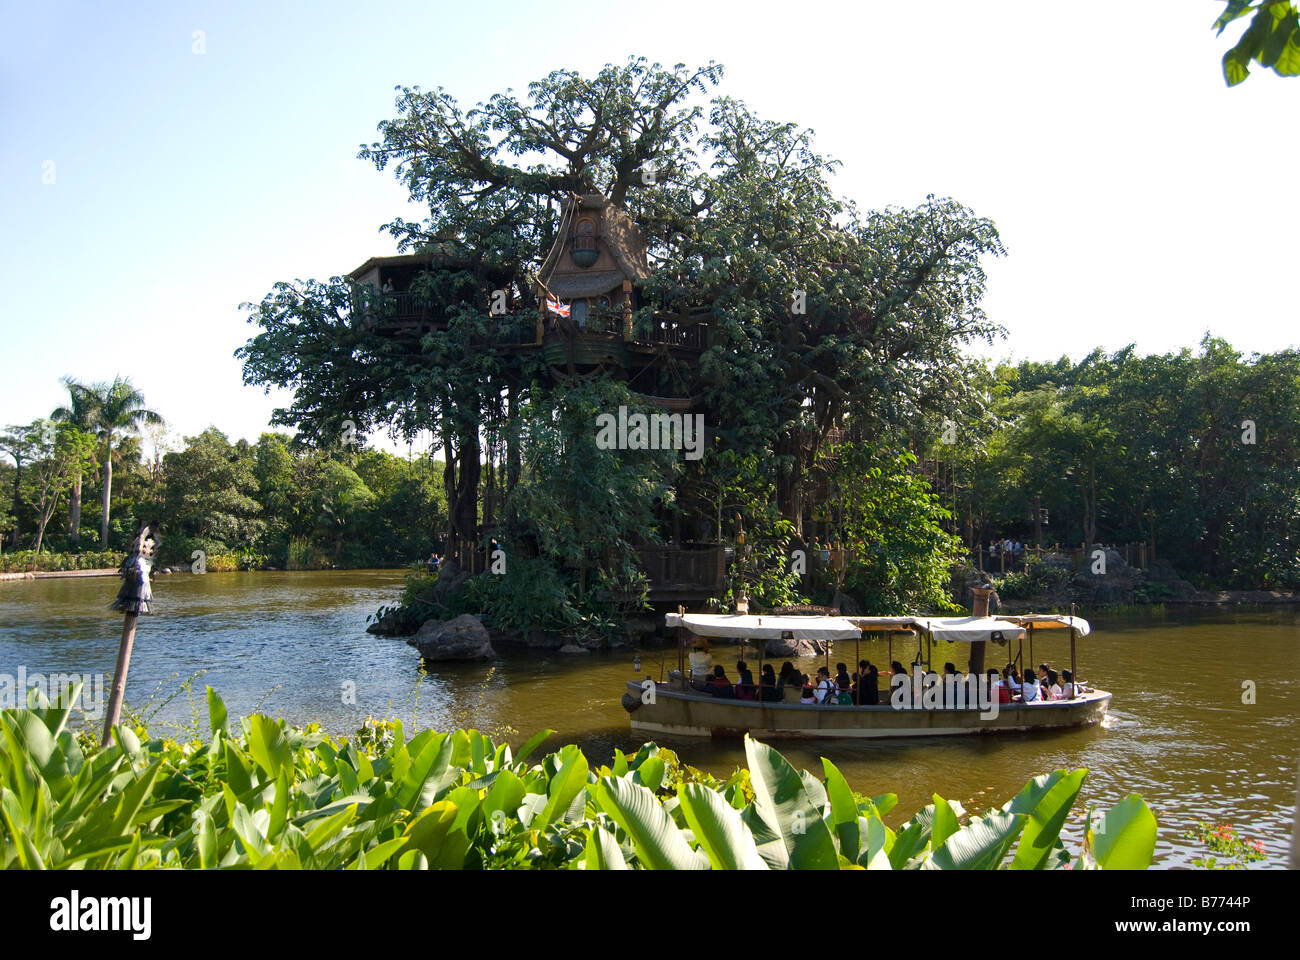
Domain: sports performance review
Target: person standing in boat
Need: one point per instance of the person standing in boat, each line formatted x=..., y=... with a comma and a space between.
x=870, y=693
x=701, y=662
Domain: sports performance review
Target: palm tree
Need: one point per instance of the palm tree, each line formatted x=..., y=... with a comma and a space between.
x=119, y=410
x=81, y=412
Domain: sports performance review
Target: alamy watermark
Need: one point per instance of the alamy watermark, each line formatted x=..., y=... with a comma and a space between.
x=15, y=689
x=655, y=431
x=933, y=691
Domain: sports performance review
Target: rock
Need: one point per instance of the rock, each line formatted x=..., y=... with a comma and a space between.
x=784, y=647
x=385, y=626
x=464, y=638
x=848, y=607
x=573, y=648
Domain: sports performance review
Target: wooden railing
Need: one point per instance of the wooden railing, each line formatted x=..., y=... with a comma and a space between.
x=668, y=566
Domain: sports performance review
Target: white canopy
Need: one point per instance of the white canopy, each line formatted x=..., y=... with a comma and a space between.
x=765, y=628
x=971, y=629
x=1044, y=621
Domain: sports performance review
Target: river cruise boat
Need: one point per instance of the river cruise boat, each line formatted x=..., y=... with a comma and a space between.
x=919, y=705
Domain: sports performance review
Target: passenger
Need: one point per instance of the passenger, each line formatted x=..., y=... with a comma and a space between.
x=719, y=685
x=788, y=676
x=701, y=662
x=997, y=687
x=745, y=689
x=1011, y=679
x=869, y=686
x=768, y=691
x=1030, y=691
x=1054, y=691
x=843, y=685
x=859, y=675
x=1069, y=689
x=950, y=670
x=825, y=690
x=807, y=694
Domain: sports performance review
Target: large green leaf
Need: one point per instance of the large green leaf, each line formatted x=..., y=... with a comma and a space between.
x=570, y=779
x=267, y=744
x=1046, y=817
x=659, y=844
x=718, y=829
x=216, y=711
x=944, y=824
x=782, y=802
x=1125, y=837
x=980, y=845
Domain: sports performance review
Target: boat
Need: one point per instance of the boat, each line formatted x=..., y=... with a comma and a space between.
x=915, y=705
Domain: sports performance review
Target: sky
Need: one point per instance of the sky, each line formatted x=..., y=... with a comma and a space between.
x=162, y=163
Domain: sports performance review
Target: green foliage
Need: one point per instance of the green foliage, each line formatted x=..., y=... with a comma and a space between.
x=266, y=795
x=1196, y=452
x=898, y=552
x=24, y=560
x=1037, y=578
x=1272, y=39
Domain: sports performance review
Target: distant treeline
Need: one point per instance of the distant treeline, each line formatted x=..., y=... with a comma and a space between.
x=1197, y=453
x=267, y=503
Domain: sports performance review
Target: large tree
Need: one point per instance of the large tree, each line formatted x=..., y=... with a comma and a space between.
x=817, y=310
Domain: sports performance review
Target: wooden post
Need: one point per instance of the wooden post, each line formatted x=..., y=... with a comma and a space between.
x=1074, y=667
x=119, y=678
x=1031, y=650
x=979, y=608
x=133, y=598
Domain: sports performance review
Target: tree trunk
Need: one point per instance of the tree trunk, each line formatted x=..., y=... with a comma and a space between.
x=18, y=477
x=74, y=513
x=108, y=493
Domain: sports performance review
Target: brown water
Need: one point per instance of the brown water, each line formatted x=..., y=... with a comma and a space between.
x=1179, y=733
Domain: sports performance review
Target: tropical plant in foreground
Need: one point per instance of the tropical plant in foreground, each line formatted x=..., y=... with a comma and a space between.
x=268, y=795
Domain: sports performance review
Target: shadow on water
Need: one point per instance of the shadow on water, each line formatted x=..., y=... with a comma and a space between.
x=1182, y=732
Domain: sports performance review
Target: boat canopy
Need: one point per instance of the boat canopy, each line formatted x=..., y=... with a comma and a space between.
x=1043, y=621
x=765, y=628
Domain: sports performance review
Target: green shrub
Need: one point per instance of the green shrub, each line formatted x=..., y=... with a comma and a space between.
x=1037, y=578
x=24, y=560
x=269, y=795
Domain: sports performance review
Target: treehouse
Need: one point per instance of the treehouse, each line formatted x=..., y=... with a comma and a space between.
x=591, y=318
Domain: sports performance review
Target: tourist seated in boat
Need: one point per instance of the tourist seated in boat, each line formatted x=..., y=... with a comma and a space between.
x=789, y=676
x=1069, y=689
x=1054, y=691
x=768, y=691
x=1011, y=678
x=843, y=685
x=998, y=687
x=867, y=691
x=825, y=687
x=745, y=687
x=1030, y=691
x=807, y=694
x=950, y=670
x=719, y=685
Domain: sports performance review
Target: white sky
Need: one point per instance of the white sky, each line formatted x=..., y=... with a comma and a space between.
x=1140, y=200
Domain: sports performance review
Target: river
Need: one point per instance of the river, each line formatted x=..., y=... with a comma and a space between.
x=1181, y=733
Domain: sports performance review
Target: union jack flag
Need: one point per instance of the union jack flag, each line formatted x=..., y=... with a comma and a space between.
x=557, y=308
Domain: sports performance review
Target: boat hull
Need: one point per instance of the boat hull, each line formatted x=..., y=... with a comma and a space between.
x=691, y=714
